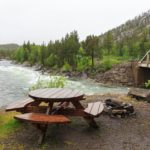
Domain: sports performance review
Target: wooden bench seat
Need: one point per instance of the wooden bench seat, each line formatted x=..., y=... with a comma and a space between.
x=140, y=93
x=39, y=118
x=95, y=108
x=19, y=105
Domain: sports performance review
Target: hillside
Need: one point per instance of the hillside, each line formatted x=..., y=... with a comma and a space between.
x=7, y=49
x=9, y=46
x=130, y=37
x=133, y=27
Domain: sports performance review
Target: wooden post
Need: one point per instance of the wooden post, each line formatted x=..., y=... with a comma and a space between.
x=148, y=60
x=89, y=119
x=43, y=128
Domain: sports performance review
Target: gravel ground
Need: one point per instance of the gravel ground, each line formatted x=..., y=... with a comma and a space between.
x=131, y=133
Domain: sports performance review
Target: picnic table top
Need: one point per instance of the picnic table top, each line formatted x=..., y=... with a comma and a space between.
x=56, y=94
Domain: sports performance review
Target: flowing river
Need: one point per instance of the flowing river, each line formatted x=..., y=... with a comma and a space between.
x=16, y=80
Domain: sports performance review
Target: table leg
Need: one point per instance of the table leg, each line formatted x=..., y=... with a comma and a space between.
x=49, y=109
x=43, y=128
x=89, y=119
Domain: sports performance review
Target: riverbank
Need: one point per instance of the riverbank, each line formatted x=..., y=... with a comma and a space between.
x=113, y=134
x=118, y=75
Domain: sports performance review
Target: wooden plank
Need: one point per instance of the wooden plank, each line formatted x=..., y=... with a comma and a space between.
x=144, y=93
x=42, y=118
x=57, y=94
x=148, y=52
x=49, y=108
x=145, y=61
x=65, y=94
x=37, y=92
x=71, y=93
x=41, y=93
x=19, y=104
x=60, y=93
x=145, y=65
x=51, y=94
x=94, y=108
x=101, y=108
x=89, y=108
x=76, y=93
x=45, y=93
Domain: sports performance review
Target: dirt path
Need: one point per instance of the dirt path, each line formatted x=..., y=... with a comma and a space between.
x=132, y=133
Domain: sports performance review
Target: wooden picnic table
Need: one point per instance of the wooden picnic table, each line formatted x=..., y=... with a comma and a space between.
x=40, y=116
x=64, y=96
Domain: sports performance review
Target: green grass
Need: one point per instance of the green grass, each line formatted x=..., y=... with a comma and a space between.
x=8, y=124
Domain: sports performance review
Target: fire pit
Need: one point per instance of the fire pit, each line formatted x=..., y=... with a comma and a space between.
x=118, y=109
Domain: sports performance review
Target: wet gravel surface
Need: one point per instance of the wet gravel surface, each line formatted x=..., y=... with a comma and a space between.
x=131, y=133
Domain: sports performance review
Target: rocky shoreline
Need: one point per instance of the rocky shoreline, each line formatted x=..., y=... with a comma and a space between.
x=119, y=75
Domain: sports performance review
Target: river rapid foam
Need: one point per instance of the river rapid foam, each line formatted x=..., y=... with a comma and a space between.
x=15, y=81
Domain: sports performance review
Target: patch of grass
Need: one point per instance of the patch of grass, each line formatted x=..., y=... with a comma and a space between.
x=69, y=142
x=8, y=124
x=2, y=146
x=12, y=147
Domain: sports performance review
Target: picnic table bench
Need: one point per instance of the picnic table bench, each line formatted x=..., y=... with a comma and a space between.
x=140, y=93
x=20, y=106
x=95, y=108
x=40, y=121
x=42, y=118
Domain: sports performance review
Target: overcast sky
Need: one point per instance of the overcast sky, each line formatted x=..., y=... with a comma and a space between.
x=45, y=20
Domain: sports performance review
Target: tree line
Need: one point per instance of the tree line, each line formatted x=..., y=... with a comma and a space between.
x=70, y=54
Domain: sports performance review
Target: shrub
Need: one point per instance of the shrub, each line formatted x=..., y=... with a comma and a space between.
x=83, y=64
x=108, y=62
x=51, y=61
x=147, y=84
x=66, y=67
x=52, y=82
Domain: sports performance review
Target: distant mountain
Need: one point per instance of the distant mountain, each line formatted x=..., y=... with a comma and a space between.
x=9, y=47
